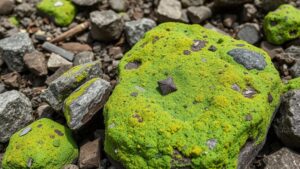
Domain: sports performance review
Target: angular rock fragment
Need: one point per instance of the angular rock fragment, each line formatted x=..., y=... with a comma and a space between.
x=169, y=10
x=12, y=50
x=81, y=105
x=135, y=30
x=62, y=87
x=249, y=33
x=287, y=125
x=198, y=14
x=56, y=61
x=46, y=145
x=187, y=3
x=57, y=50
x=106, y=25
x=83, y=57
x=282, y=159
x=15, y=113
x=36, y=63
x=167, y=86
x=118, y=5
x=89, y=156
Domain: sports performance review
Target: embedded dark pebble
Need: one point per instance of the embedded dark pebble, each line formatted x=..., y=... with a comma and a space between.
x=212, y=48
x=132, y=65
x=198, y=45
x=167, y=86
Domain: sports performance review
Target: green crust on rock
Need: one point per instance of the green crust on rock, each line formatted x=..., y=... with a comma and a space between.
x=77, y=93
x=63, y=15
x=155, y=131
x=49, y=145
x=282, y=24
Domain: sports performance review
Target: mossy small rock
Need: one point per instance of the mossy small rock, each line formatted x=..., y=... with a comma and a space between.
x=85, y=101
x=221, y=98
x=282, y=24
x=42, y=144
x=62, y=11
x=62, y=87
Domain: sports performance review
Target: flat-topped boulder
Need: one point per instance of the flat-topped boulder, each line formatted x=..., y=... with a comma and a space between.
x=189, y=97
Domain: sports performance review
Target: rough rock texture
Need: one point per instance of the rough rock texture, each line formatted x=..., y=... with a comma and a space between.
x=118, y=5
x=42, y=144
x=83, y=57
x=135, y=30
x=282, y=24
x=15, y=113
x=282, y=159
x=63, y=11
x=6, y=6
x=63, y=86
x=169, y=10
x=85, y=101
x=36, y=63
x=56, y=61
x=85, y=2
x=198, y=14
x=89, y=156
x=187, y=3
x=12, y=50
x=249, y=33
x=269, y=5
x=106, y=25
x=287, y=124
x=206, y=122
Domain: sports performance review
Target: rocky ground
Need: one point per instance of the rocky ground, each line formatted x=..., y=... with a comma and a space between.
x=39, y=43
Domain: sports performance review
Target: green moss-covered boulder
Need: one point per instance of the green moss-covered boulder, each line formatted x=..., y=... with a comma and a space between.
x=62, y=11
x=282, y=24
x=42, y=144
x=190, y=97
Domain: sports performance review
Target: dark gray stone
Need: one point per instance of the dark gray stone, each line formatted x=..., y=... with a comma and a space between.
x=135, y=30
x=15, y=113
x=106, y=25
x=187, y=3
x=118, y=5
x=293, y=51
x=2, y=88
x=58, y=50
x=269, y=5
x=63, y=86
x=169, y=10
x=230, y=2
x=85, y=101
x=282, y=159
x=83, y=57
x=198, y=14
x=12, y=50
x=295, y=69
x=287, y=123
x=85, y=2
x=249, y=59
x=249, y=33
x=24, y=9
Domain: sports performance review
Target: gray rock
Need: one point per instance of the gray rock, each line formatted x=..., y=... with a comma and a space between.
x=15, y=113
x=135, y=30
x=269, y=5
x=249, y=59
x=187, y=3
x=70, y=166
x=83, y=57
x=282, y=159
x=106, y=25
x=45, y=111
x=55, y=61
x=2, y=88
x=230, y=2
x=89, y=156
x=248, y=13
x=85, y=101
x=85, y=2
x=118, y=5
x=58, y=50
x=36, y=63
x=248, y=153
x=295, y=69
x=248, y=33
x=62, y=87
x=57, y=74
x=169, y=10
x=271, y=49
x=287, y=124
x=12, y=50
x=24, y=9
x=6, y=6
x=293, y=51
x=198, y=14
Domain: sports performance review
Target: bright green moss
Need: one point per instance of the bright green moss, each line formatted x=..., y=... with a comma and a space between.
x=63, y=11
x=155, y=131
x=282, y=24
x=77, y=93
x=49, y=145
x=14, y=20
